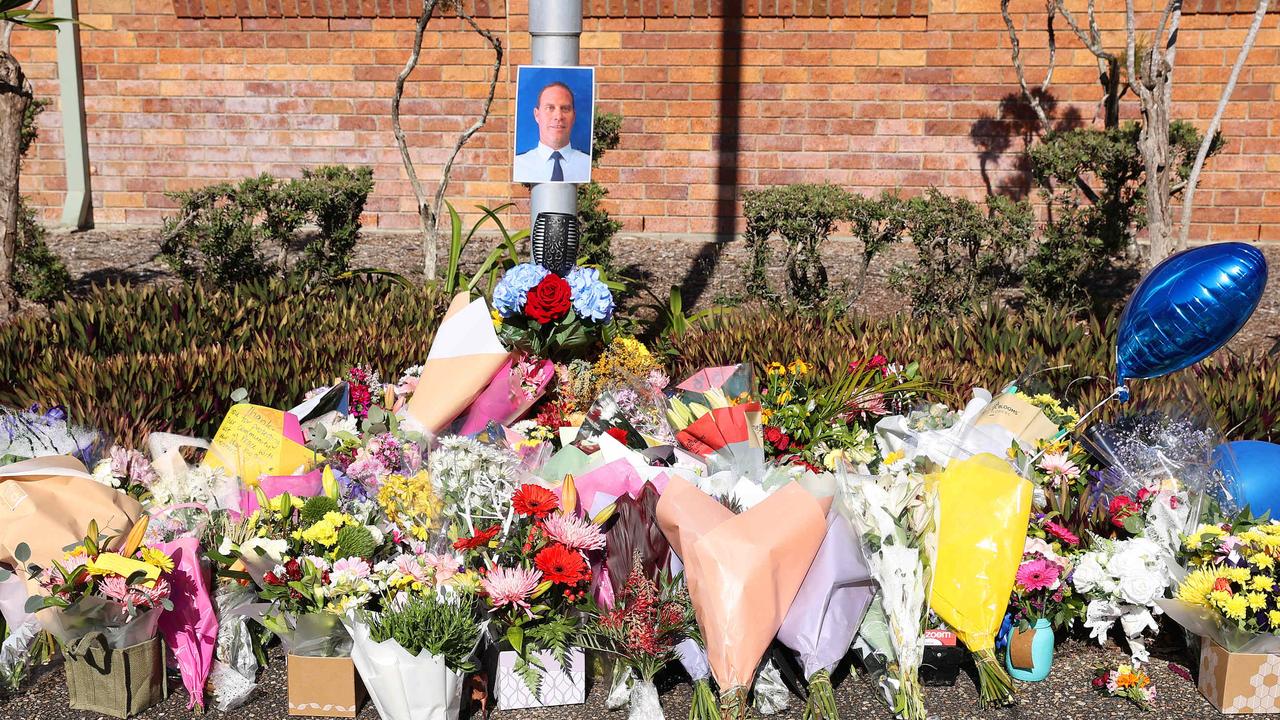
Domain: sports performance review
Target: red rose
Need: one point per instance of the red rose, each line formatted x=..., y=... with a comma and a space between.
x=1122, y=507
x=1143, y=494
x=618, y=434
x=775, y=437
x=549, y=300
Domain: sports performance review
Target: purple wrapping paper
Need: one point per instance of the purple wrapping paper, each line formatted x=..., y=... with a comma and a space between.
x=823, y=620
x=191, y=628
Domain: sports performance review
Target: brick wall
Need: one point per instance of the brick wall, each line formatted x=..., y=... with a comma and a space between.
x=869, y=94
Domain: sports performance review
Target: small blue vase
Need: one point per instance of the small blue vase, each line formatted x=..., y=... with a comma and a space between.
x=1041, y=653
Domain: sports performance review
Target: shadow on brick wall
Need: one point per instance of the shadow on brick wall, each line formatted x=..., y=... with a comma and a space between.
x=1012, y=129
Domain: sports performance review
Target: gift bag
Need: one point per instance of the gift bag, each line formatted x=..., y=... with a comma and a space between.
x=115, y=681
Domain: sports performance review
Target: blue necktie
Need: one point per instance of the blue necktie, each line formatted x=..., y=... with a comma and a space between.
x=557, y=173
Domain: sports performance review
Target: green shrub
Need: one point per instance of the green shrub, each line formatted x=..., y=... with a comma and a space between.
x=963, y=254
x=1090, y=230
x=130, y=359
x=597, y=227
x=985, y=349
x=227, y=233
x=334, y=197
x=803, y=216
x=878, y=223
x=38, y=274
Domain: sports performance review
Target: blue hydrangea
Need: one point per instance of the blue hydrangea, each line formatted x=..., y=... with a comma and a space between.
x=592, y=299
x=512, y=291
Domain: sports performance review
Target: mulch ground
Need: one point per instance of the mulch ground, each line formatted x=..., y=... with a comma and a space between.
x=1066, y=695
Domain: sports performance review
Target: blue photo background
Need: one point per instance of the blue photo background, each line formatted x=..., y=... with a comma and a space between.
x=531, y=80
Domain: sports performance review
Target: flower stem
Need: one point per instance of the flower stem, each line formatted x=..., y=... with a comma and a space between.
x=734, y=704
x=704, y=705
x=995, y=687
x=821, y=704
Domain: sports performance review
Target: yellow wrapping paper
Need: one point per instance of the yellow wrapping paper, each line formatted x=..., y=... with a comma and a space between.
x=983, y=508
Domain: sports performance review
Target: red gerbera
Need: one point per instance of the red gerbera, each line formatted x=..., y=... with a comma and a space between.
x=534, y=500
x=561, y=565
x=480, y=539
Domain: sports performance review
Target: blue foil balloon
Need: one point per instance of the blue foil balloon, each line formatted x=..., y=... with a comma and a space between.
x=1250, y=469
x=1186, y=307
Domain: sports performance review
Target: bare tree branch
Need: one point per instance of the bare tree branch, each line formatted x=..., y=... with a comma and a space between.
x=1032, y=100
x=1051, y=11
x=484, y=115
x=1171, y=46
x=1130, y=33
x=1188, y=199
x=1092, y=41
x=9, y=26
x=425, y=219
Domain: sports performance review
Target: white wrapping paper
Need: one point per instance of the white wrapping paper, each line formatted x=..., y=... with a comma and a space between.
x=404, y=686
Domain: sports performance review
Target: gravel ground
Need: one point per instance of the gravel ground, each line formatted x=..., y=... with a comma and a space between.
x=708, y=273
x=1066, y=695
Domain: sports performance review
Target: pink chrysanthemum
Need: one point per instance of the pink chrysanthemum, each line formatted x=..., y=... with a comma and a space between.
x=574, y=533
x=139, y=596
x=867, y=405
x=511, y=586
x=1038, y=574
x=1061, y=533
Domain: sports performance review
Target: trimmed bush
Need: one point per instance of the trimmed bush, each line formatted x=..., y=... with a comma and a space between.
x=803, y=216
x=38, y=274
x=986, y=349
x=131, y=359
x=227, y=233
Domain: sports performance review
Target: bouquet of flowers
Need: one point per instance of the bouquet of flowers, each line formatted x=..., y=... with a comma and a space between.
x=824, y=423
x=1123, y=580
x=648, y=620
x=475, y=481
x=1041, y=590
x=1229, y=592
x=535, y=574
x=548, y=316
x=1063, y=475
x=414, y=655
x=893, y=516
x=127, y=470
x=1126, y=681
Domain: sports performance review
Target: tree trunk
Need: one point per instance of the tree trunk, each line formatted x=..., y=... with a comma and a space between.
x=1153, y=144
x=15, y=97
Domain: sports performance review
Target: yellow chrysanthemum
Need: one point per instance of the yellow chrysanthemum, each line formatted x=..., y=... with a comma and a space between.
x=152, y=556
x=1234, y=574
x=1196, y=587
x=765, y=415
x=1262, y=561
x=411, y=502
x=1273, y=617
x=323, y=533
x=1256, y=600
x=1202, y=533
x=1234, y=607
x=776, y=368
x=798, y=367
x=1262, y=583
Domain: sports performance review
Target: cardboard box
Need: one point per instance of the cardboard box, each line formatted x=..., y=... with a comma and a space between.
x=557, y=686
x=1239, y=683
x=324, y=687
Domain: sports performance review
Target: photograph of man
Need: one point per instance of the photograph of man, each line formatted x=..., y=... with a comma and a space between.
x=553, y=124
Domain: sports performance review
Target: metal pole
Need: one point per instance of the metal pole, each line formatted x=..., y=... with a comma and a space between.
x=77, y=208
x=556, y=26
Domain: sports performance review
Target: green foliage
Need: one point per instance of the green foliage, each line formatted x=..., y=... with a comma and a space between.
x=505, y=255
x=226, y=233
x=985, y=349
x=38, y=274
x=129, y=359
x=356, y=541
x=334, y=195
x=963, y=254
x=877, y=222
x=30, y=124
x=315, y=508
x=444, y=627
x=597, y=227
x=803, y=216
x=1089, y=232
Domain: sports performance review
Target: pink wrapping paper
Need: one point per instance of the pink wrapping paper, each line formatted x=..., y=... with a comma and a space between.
x=308, y=485
x=191, y=628
x=504, y=400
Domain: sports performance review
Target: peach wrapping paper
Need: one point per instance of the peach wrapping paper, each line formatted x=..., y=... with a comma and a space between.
x=743, y=571
x=465, y=356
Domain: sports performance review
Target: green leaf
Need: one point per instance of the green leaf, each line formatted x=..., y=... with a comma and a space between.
x=22, y=553
x=515, y=636
x=5, y=575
